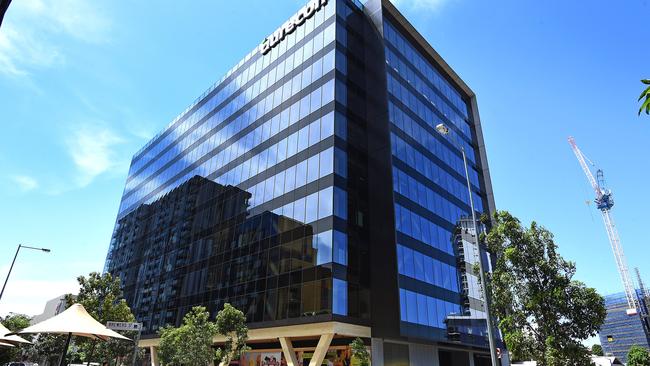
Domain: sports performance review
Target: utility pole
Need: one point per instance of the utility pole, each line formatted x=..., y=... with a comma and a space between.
x=14, y=261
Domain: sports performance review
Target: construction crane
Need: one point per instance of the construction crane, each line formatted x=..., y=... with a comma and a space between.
x=605, y=202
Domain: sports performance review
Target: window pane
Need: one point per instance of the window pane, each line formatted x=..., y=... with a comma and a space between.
x=340, y=248
x=324, y=247
x=325, y=202
x=340, y=293
x=311, y=213
x=411, y=307
x=340, y=203
x=326, y=162
x=312, y=169
x=340, y=163
x=299, y=210
x=301, y=174
x=422, y=310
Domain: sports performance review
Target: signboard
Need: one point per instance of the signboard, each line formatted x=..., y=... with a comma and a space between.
x=261, y=359
x=290, y=26
x=123, y=326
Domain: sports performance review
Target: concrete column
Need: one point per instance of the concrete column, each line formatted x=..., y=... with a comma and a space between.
x=422, y=355
x=471, y=359
x=377, y=351
x=289, y=353
x=436, y=357
x=321, y=349
x=154, y=356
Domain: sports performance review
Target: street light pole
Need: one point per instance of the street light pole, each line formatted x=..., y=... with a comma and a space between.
x=444, y=130
x=14, y=261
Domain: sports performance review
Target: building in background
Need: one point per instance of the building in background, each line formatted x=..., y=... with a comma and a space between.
x=52, y=308
x=309, y=188
x=621, y=331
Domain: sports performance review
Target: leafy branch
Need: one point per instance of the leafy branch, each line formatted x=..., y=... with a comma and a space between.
x=645, y=94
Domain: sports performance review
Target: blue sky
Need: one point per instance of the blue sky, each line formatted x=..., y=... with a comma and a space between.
x=83, y=85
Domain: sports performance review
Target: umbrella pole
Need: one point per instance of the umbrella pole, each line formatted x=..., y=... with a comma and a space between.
x=65, y=350
x=92, y=351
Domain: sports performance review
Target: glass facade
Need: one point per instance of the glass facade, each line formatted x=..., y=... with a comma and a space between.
x=430, y=191
x=265, y=133
x=309, y=184
x=621, y=331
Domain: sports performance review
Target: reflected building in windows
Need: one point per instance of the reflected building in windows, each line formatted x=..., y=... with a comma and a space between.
x=309, y=188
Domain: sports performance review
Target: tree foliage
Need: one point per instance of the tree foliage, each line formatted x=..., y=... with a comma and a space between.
x=191, y=343
x=13, y=322
x=543, y=314
x=597, y=350
x=101, y=296
x=46, y=348
x=645, y=95
x=638, y=356
x=231, y=323
x=360, y=352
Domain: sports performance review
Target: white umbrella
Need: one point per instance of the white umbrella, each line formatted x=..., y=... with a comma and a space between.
x=74, y=321
x=2, y=344
x=10, y=339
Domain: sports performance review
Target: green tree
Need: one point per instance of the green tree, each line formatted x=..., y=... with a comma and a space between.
x=231, y=323
x=638, y=356
x=191, y=343
x=101, y=296
x=13, y=322
x=543, y=314
x=360, y=352
x=645, y=95
x=597, y=350
x=46, y=348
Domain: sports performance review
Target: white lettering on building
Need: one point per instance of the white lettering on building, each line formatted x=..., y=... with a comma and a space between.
x=290, y=26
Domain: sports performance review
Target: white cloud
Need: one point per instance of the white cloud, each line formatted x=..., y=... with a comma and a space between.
x=33, y=31
x=431, y=5
x=92, y=151
x=24, y=182
x=29, y=296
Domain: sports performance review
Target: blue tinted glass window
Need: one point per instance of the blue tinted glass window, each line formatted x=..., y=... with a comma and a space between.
x=323, y=244
x=312, y=169
x=299, y=210
x=326, y=162
x=422, y=310
x=431, y=312
x=301, y=174
x=311, y=208
x=340, y=248
x=340, y=203
x=411, y=307
x=327, y=125
x=340, y=297
x=325, y=202
x=409, y=268
x=402, y=305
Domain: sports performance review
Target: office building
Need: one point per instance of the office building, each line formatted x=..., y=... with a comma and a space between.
x=620, y=330
x=52, y=308
x=343, y=202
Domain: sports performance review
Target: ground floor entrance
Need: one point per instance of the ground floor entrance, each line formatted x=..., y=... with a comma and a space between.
x=328, y=344
x=398, y=353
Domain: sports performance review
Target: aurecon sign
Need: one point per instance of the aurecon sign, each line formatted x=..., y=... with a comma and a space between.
x=290, y=26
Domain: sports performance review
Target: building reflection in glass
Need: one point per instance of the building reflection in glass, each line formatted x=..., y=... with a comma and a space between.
x=198, y=245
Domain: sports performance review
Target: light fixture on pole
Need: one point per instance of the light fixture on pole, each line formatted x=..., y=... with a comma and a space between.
x=444, y=130
x=20, y=246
